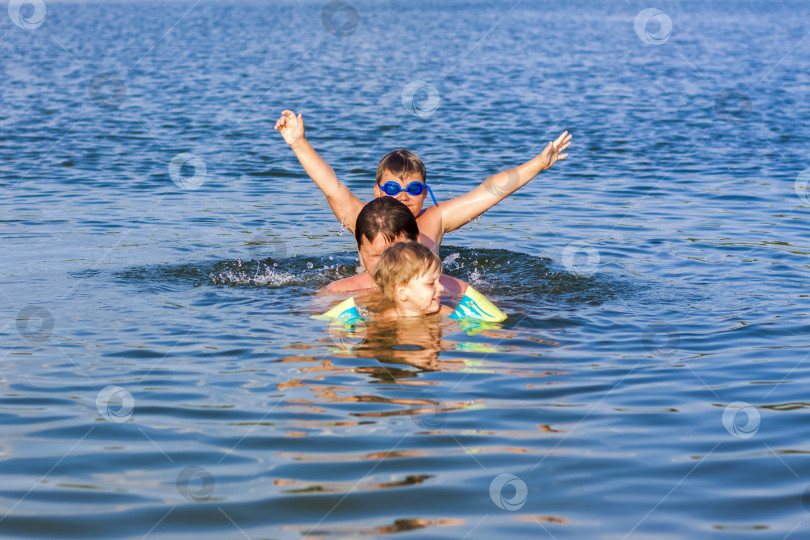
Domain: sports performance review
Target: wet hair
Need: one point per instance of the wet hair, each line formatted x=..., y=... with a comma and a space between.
x=401, y=263
x=388, y=216
x=400, y=163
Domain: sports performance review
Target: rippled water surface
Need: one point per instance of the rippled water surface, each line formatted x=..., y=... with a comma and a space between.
x=161, y=376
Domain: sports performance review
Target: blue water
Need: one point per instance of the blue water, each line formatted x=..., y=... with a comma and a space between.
x=161, y=377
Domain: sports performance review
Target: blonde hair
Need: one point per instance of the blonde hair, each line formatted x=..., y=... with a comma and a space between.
x=400, y=163
x=401, y=263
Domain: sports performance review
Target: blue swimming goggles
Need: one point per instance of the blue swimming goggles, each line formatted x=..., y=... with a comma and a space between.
x=414, y=188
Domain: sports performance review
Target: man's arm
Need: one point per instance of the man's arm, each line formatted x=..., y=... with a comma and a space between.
x=344, y=203
x=458, y=212
x=453, y=286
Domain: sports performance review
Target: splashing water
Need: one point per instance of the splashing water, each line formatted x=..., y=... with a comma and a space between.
x=269, y=277
x=476, y=278
x=450, y=263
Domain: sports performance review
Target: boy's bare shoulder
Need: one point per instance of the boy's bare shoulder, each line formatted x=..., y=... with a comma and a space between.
x=431, y=227
x=431, y=216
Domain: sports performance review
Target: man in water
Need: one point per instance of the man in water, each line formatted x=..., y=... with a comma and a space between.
x=381, y=223
x=401, y=174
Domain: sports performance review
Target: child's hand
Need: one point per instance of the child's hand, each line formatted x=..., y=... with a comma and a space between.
x=291, y=127
x=551, y=154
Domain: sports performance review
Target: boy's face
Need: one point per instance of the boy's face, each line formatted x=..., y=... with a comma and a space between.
x=422, y=294
x=413, y=202
x=370, y=252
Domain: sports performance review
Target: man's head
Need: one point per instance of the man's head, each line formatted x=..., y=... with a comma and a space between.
x=408, y=274
x=382, y=222
x=402, y=167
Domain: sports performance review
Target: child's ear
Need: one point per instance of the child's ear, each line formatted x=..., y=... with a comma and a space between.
x=377, y=191
x=402, y=292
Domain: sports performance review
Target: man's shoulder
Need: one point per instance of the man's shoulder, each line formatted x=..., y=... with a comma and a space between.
x=360, y=282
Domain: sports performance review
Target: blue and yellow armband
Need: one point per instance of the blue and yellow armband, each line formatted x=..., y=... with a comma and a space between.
x=473, y=305
x=345, y=312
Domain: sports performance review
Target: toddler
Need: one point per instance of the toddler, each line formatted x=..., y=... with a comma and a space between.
x=408, y=274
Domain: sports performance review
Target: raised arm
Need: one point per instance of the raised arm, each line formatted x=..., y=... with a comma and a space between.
x=344, y=203
x=457, y=212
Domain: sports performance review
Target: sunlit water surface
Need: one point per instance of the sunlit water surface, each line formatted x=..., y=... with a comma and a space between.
x=161, y=376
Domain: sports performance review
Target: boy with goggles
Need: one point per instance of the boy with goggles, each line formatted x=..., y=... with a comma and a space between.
x=414, y=188
x=401, y=174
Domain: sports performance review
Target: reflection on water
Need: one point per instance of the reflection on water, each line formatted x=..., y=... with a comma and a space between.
x=400, y=525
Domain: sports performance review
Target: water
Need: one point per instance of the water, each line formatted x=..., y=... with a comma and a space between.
x=649, y=382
